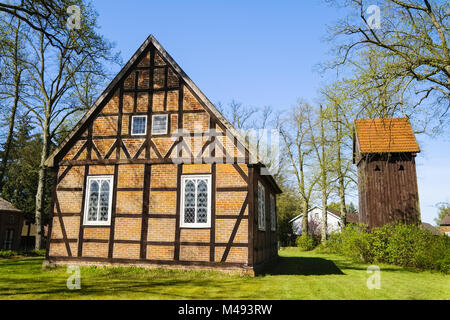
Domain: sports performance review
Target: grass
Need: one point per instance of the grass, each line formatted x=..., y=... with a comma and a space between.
x=298, y=275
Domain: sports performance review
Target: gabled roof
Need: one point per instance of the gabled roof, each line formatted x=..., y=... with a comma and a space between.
x=330, y=211
x=385, y=136
x=427, y=226
x=446, y=220
x=7, y=206
x=351, y=217
x=188, y=82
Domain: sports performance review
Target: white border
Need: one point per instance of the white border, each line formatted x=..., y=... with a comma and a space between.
x=195, y=225
x=132, y=123
x=167, y=123
x=86, y=201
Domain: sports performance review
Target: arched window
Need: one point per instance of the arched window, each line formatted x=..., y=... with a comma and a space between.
x=98, y=203
x=196, y=201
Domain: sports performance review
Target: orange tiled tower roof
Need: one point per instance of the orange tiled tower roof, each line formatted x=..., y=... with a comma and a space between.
x=385, y=136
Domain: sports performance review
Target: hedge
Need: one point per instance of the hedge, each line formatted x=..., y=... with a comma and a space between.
x=398, y=244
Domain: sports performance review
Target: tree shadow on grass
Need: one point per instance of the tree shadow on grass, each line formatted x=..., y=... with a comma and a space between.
x=304, y=266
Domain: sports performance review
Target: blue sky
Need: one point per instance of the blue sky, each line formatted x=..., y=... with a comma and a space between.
x=258, y=53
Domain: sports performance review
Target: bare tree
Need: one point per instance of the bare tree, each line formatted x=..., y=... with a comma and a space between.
x=296, y=135
x=407, y=55
x=55, y=73
x=11, y=52
x=48, y=18
x=321, y=146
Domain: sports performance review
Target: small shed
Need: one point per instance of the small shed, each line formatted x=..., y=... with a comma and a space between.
x=385, y=152
x=11, y=220
x=435, y=231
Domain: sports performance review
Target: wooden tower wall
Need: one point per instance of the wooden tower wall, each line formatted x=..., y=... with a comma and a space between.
x=386, y=192
x=145, y=226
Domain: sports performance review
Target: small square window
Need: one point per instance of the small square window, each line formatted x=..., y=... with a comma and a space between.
x=159, y=124
x=139, y=125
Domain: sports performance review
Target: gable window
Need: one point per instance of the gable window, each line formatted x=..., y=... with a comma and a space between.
x=273, y=216
x=159, y=124
x=98, y=201
x=196, y=201
x=261, y=207
x=139, y=125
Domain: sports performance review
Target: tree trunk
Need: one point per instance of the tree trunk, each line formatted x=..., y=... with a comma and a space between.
x=343, y=206
x=9, y=139
x=324, y=217
x=324, y=179
x=40, y=194
x=305, y=226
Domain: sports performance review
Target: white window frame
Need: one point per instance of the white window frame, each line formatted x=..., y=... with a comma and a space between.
x=273, y=216
x=195, y=225
x=261, y=207
x=132, y=126
x=167, y=124
x=87, y=196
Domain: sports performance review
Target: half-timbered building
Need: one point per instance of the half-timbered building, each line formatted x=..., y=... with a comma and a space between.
x=154, y=175
x=385, y=152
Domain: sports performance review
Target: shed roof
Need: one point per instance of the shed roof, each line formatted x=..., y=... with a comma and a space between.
x=385, y=136
x=427, y=226
x=7, y=206
x=446, y=220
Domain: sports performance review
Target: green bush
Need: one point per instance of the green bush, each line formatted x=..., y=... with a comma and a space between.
x=36, y=253
x=7, y=254
x=399, y=244
x=306, y=243
x=356, y=243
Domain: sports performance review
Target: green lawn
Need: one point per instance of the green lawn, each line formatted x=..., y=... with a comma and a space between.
x=298, y=275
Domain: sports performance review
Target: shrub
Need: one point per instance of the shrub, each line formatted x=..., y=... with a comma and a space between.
x=355, y=242
x=306, y=243
x=7, y=254
x=399, y=244
x=36, y=253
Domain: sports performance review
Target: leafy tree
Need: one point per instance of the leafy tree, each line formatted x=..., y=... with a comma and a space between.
x=337, y=205
x=20, y=185
x=288, y=207
x=444, y=209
